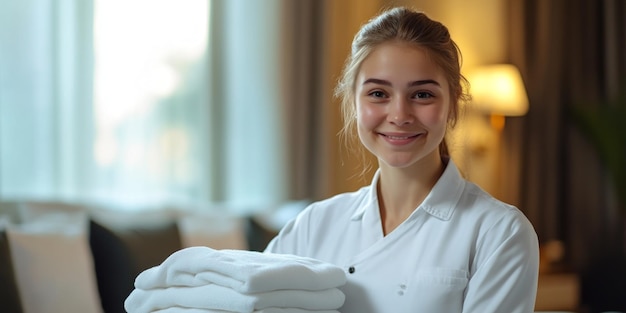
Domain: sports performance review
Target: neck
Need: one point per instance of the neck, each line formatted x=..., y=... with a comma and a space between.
x=402, y=190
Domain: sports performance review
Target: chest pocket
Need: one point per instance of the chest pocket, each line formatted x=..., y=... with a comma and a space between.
x=437, y=289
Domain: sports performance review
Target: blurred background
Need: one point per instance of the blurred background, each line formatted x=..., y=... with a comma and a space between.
x=227, y=107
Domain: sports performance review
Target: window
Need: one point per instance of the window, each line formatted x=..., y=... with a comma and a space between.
x=136, y=102
x=149, y=99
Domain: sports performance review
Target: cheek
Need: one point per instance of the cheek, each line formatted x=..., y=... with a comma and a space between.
x=368, y=116
x=434, y=116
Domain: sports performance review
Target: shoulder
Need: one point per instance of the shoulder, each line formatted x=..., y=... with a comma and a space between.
x=321, y=218
x=339, y=207
x=480, y=205
x=497, y=225
x=465, y=204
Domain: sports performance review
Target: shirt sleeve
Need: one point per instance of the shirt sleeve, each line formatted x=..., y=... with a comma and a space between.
x=505, y=278
x=283, y=242
x=292, y=238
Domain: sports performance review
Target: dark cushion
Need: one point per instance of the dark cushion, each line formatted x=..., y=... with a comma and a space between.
x=9, y=294
x=121, y=254
x=257, y=235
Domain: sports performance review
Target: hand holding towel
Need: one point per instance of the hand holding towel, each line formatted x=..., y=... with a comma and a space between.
x=242, y=270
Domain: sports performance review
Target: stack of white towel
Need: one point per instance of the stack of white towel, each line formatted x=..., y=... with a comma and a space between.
x=202, y=280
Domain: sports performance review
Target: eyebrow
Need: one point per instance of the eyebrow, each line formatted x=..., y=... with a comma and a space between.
x=411, y=84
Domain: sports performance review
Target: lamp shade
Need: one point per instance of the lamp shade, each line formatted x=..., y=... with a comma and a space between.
x=498, y=90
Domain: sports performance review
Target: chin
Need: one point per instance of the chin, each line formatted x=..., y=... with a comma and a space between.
x=399, y=163
x=400, y=160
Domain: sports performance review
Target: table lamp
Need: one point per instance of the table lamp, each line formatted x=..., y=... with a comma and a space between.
x=498, y=90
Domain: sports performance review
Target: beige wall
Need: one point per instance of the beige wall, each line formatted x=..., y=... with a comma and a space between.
x=478, y=27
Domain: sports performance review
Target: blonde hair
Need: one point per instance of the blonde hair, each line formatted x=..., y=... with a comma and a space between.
x=413, y=27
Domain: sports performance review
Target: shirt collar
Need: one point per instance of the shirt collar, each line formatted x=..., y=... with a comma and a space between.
x=440, y=202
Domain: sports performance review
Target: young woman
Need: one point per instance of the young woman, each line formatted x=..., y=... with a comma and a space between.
x=419, y=238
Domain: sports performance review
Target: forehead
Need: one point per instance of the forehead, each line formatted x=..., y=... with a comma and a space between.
x=397, y=61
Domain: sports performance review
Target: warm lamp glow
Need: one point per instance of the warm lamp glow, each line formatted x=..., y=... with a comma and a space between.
x=498, y=90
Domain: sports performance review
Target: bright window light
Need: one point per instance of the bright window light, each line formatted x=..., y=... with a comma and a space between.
x=145, y=53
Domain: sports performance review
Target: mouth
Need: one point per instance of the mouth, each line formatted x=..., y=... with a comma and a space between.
x=400, y=136
x=400, y=139
x=395, y=137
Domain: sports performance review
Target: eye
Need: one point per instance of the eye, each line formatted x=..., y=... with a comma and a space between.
x=423, y=95
x=377, y=94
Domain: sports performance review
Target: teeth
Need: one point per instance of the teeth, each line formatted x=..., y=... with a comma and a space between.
x=398, y=138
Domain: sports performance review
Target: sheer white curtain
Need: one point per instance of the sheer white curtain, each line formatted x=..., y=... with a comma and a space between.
x=45, y=98
x=251, y=89
x=150, y=100
x=164, y=110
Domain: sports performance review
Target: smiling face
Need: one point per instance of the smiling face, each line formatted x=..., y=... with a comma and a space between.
x=402, y=104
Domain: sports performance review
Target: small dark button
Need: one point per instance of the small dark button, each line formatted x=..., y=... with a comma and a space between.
x=351, y=270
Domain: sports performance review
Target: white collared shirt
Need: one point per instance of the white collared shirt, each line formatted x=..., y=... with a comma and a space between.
x=461, y=250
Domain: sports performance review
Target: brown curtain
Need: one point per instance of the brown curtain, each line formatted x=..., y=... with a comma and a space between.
x=572, y=54
x=302, y=36
x=319, y=36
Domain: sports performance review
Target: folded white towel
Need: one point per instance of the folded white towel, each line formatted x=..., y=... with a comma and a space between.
x=217, y=297
x=242, y=270
x=268, y=310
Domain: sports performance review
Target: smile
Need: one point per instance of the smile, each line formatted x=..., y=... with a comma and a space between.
x=399, y=137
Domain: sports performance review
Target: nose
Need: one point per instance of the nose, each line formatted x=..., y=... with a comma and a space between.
x=400, y=112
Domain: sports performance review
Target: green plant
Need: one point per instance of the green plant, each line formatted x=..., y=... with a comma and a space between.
x=604, y=125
